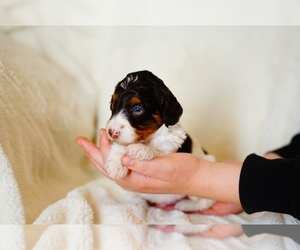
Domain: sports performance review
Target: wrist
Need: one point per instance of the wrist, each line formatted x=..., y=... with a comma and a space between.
x=272, y=155
x=200, y=183
x=217, y=180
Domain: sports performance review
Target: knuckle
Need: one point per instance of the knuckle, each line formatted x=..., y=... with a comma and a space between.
x=144, y=169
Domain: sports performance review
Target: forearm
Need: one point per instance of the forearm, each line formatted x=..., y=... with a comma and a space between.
x=218, y=181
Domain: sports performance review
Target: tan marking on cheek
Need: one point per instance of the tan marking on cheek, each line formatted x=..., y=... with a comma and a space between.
x=158, y=119
x=144, y=133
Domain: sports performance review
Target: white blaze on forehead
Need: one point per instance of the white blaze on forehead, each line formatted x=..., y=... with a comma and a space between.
x=120, y=123
x=128, y=79
x=124, y=84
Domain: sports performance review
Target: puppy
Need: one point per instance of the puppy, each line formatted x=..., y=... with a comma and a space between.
x=145, y=124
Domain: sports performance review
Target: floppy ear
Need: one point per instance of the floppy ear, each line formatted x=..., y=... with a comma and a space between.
x=170, y=107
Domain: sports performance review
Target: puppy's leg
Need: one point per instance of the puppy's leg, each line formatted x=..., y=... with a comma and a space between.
x=141, y=151
x=113, y=164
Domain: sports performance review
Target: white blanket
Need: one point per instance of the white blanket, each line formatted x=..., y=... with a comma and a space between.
x=249, y=86
x=124, y=221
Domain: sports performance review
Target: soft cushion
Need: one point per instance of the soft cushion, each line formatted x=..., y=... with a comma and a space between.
x=42, y=110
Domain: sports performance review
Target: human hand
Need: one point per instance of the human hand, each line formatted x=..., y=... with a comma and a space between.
x=176, y=175
x=222, y=209
x=173, y=173
x=97, y=155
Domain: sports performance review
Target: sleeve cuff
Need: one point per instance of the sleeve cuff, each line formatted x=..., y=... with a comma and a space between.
x=264, y=184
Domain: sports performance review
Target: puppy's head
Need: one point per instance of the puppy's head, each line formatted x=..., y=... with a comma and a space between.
x=140, y=105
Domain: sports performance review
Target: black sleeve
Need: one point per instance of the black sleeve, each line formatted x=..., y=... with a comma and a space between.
x=270, y=185
x=291, y=150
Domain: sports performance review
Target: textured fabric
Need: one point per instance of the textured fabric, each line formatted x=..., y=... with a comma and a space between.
x=40, y=116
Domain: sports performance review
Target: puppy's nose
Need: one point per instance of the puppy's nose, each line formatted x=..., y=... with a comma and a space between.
x=113, y=133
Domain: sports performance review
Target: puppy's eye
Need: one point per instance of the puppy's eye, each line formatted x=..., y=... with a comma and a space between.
x=137, y=110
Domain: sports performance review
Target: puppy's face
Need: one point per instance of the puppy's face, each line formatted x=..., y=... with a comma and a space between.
x=140, y=105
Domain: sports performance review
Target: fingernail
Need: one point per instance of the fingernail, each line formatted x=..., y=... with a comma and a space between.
x=102, y=131
x=127, y=160
x=78, y=142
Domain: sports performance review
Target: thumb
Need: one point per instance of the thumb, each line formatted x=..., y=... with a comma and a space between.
x=127, y=161
x=142, y=167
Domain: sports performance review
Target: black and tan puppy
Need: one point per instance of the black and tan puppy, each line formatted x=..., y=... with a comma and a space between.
x=145, y=124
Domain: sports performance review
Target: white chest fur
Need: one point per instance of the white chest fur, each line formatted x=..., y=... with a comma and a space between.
x=167, y=140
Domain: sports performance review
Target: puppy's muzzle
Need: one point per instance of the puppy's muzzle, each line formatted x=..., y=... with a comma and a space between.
x=113, y=133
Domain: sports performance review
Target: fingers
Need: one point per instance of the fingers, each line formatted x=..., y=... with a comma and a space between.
x=97, y=155
x=89, y=148
x=222, y=209
x=104, y=143
x=151, y=168
x=140, y=167
x=134, y=182
x=144, y=176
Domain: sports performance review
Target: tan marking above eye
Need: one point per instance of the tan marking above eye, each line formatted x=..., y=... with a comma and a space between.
x=134, y=101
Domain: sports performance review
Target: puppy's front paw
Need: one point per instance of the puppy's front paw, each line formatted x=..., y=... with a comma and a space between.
x=115, y=169
x=140, y=151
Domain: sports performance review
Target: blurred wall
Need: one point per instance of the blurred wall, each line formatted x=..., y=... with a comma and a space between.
x=239, y=85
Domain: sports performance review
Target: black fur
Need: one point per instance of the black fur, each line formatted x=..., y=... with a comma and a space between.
x=157, y=101
x=187, y=145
